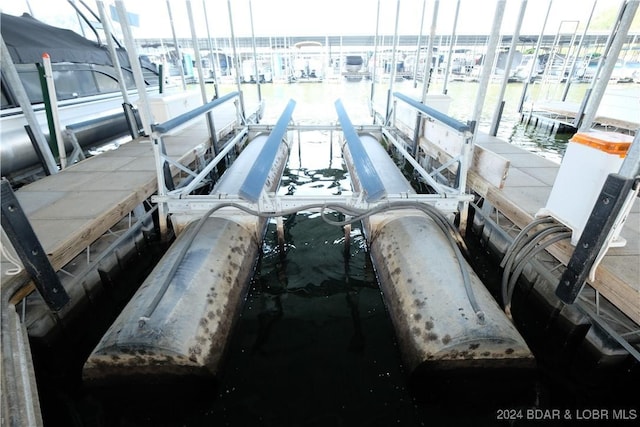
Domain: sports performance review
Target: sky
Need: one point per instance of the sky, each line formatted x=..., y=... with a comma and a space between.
x=348, y=17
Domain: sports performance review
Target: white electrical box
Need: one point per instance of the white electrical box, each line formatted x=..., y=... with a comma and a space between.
x=590, y=157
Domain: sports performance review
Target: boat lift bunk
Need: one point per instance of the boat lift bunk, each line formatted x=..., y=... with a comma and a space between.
x=178, y=322
x=445, y=318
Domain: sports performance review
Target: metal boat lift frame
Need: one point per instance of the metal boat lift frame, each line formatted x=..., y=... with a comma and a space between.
x=185, y=206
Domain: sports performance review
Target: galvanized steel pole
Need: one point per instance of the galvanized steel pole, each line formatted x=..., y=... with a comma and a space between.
x=610, y=56
x=497, y=114
x=236, y=60
x=631, y=165
x=573, y=65
x=145, y=111
x=128, y=111
x=375, y=57
x=417, y=60
x=106, y=26
x=487, y=64
x=394, y=66
x=214, y=54
x=203, y=90
x=255, y=54
x=451, y=47
x=429, y=61
x=535, y=59
x=196, y=52
x=10, y=73
x=177, y=46
x=56, y=133
x=145, y=114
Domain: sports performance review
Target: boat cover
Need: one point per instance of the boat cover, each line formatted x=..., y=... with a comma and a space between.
x=27, y=39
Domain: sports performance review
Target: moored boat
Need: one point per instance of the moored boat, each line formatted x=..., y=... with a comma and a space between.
x=86, y=83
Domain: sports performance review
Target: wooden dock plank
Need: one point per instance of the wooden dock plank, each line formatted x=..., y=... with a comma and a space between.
x=98, y=205
x=526, y=189
x=81, y=232
x=73, y=208
x=33, y=201
x=519, y=178
x=101, y=163
x=545, y=174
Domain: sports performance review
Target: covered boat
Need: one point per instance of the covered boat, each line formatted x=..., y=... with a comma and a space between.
x=86, y=85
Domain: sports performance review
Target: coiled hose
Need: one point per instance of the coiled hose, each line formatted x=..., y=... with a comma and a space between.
x=523, y=249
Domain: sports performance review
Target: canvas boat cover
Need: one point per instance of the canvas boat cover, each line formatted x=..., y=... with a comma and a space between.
x=27, y=39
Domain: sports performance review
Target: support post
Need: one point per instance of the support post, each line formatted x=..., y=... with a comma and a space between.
x=375, y=60
x=126, y=104
x=394, y=66
x=535, y=60
x=620, y=31
x=10, y=73
x=280, y=232
x=24, y=240
x=497, y=115
x=54, y=125
x=255, y=54
x=567, y=85
x=214, y=53
x=213, y=135
x=451, y=46
x=487, y=63
x=177, y=46
x=236, y=61
x=426, y=80
x=417, y=62
x=347, y=239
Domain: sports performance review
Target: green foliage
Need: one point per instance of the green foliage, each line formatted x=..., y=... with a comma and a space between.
x=604, y=20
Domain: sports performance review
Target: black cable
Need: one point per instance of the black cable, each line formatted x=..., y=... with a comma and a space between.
x=451, y=233
x=525, y=260
x=518, y=241
x=523, y=247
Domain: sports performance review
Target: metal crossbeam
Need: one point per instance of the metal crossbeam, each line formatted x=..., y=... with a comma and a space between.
x=274, y=205
x=432, y=112
x=169, y=125
x=439, y=188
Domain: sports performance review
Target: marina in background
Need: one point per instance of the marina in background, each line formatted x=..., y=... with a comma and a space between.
x=473, y=151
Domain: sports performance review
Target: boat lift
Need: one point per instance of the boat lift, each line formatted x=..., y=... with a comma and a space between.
x=184, y=206
x=219, y=234
x=207, y=223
